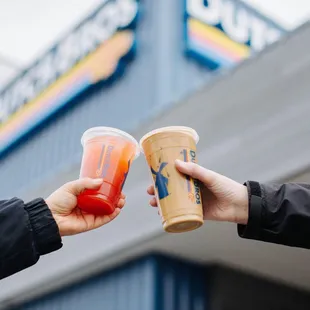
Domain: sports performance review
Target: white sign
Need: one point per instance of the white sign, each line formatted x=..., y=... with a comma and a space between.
x=236, y=21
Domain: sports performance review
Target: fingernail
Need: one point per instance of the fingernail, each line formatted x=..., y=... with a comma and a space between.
x=179, y=162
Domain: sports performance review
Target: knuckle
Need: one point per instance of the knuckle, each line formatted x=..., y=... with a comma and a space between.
x=68, y=185
x=194, y=168
x=74, y=186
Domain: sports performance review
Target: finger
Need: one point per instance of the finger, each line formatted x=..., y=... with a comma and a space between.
x=121, y=203
x=105, y=219
x=153, y=202
x=114, y=214
x=78, y=186
x=208, y=177
x=151, y=190
x=123, y=196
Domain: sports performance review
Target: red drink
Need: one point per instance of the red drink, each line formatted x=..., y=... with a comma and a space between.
x=108, y=154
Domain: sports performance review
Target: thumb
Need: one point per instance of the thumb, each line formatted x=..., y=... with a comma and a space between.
x=78, y=186
x=208, y=177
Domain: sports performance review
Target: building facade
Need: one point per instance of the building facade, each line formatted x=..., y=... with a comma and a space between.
x=217, y=66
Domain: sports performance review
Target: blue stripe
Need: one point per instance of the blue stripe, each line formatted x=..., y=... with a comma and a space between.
x=39, y=116
x=187, y=177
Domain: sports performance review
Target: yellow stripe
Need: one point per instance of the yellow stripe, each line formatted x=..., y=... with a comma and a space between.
x=123, y=40
x=218, y=37
x=46, y=94
x=103, y=157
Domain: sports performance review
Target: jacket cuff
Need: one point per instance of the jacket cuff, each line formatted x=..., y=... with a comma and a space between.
x=252, y=229
x=45, y=230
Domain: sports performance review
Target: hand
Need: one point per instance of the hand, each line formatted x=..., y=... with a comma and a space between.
x=223, y=199
x=69, y=218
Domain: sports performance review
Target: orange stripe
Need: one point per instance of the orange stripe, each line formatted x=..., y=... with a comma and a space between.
x=88, y=64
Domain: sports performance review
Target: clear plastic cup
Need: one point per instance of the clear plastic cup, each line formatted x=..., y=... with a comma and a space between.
x=108, y=154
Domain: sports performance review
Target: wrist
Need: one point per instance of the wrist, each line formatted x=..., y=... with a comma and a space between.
x=241, y=206
x=56, y=217
x=58, y=221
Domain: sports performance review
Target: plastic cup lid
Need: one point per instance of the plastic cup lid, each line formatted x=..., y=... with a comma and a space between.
x=109, y=131
x=187, y=130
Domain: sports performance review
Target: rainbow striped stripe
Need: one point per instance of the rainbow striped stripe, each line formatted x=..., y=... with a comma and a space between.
x=214, y=45
x=97, y=66
x=188, y=179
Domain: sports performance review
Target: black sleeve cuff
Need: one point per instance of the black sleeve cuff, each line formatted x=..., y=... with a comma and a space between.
x=252, y=229
x=45, y=230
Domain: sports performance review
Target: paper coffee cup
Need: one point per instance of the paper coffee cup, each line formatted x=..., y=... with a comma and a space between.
x=179, y=196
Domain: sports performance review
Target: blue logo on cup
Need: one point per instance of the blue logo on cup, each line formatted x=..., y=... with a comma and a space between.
x=161, y=182
x=126, y=174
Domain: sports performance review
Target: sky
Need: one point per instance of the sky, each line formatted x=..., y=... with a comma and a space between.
x=288, y=13
x=27, y=28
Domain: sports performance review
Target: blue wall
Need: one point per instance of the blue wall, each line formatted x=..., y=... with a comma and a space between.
x=151, y=283
x=159, y=76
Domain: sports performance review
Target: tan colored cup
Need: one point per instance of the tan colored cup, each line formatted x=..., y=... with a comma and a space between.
x=178, y=196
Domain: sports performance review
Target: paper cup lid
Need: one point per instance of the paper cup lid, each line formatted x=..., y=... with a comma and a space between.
x=187, y=130
x=109, y=131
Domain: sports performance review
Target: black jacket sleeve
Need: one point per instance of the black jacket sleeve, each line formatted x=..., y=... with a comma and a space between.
x=26, y=232
x=278, y=213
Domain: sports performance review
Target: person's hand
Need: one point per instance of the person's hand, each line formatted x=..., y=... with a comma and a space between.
x=69, y=218
x=223, y=199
